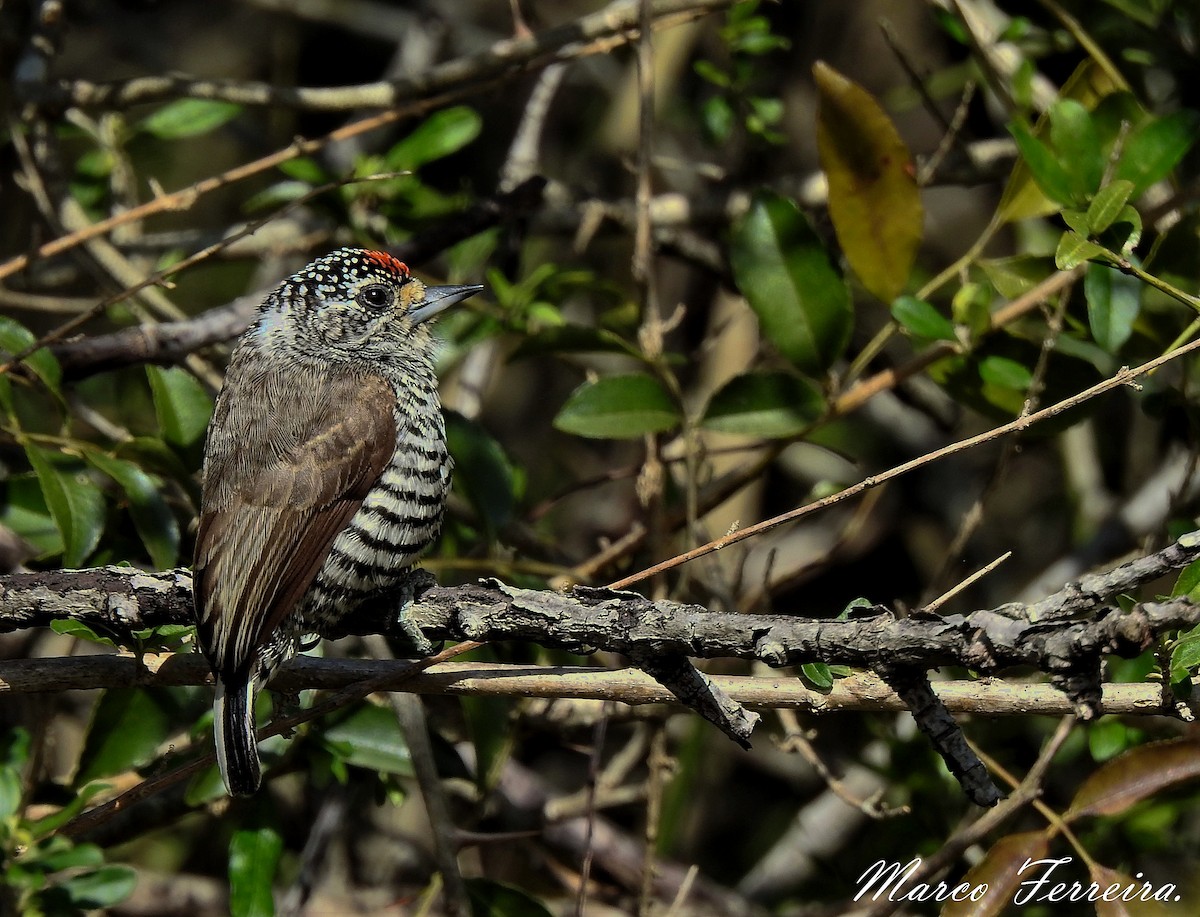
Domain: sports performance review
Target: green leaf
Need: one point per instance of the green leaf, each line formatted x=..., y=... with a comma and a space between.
x=73, y=501
x=1076, y=147
x=14, y=338
x=710, y=72
x=14, y=752
x=818, y=675
x=305, y=170
x=571, y=338
x=282, y=192
x=1152, y=150
x=1073, y=249
x=763, y=404
x=1022, y=197
x=1005, y=372
x=1130, y=216
x=971, y=307
x=718, y=118
x=1051, y=176
x=922, y=320
x=1077, y=220
x=14, y=747
x=253, y=859
x=618, y=407
x=70, y=856
x=1185, y=655
x=780, y=265
x=152, y=454
x=80, y=631
x=48, y=824
x=1015, y=275
x=494, y=899
x=1102, y=212
x=1107, y=738
x=1113, y=301
x=165, y=637
x=490, y=727
x=439, y=135
x=188, y=118
x=874, y=201
x=155, y=523
x=95, y=163
x=371, y=737
x=127, y=728
x=10, y=792
x=1188, y=583
x=181, y=404
x=482, y=471
x=100, y=888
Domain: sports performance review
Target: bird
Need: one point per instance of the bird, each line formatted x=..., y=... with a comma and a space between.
x=325, y=475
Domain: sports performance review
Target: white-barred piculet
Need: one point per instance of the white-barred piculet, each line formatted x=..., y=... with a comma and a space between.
x=325, y=474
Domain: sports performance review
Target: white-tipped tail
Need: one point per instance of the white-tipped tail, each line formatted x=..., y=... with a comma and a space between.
x=237, y=745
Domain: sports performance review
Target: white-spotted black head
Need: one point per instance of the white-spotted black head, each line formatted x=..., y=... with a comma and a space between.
x=352, y=305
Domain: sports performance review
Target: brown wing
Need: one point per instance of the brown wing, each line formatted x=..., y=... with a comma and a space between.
x=290, y=458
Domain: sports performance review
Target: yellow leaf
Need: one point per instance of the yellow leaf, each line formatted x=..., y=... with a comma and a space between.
x=873, y=196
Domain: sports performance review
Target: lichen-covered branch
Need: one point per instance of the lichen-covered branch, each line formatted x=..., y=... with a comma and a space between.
x=121, y=600
x=1065, y=635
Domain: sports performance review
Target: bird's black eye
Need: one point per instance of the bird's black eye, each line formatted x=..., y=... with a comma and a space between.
x=377, y=296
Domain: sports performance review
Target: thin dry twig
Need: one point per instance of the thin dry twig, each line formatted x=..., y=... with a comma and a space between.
x=794, y=740
x=659, y=764
x=161, y=277
x=966, y=583
x=593, y=776
x=595, y=33
x=1124, y=376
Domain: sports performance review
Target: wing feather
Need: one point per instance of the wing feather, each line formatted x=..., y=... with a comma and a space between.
x=289, y=460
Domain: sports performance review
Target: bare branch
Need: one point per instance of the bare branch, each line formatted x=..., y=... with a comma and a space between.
x=591, y=34
x=1124, y=376
x=858, y=692
x=120, y=600
x=171, y=342
x=660, y=637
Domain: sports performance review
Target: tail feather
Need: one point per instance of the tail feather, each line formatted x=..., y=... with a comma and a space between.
x=237, y=743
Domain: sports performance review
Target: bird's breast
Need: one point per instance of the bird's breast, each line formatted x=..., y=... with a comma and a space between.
x=402, y=513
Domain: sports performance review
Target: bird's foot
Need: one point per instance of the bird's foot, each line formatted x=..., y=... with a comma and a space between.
x=408, y=638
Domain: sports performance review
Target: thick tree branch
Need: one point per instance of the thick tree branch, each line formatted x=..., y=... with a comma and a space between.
x=660, y=637
x=120, y=600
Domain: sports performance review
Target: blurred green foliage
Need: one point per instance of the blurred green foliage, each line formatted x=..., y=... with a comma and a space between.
x=581, y=411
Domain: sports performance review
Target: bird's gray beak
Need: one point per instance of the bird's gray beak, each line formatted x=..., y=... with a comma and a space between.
x=439, y=299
